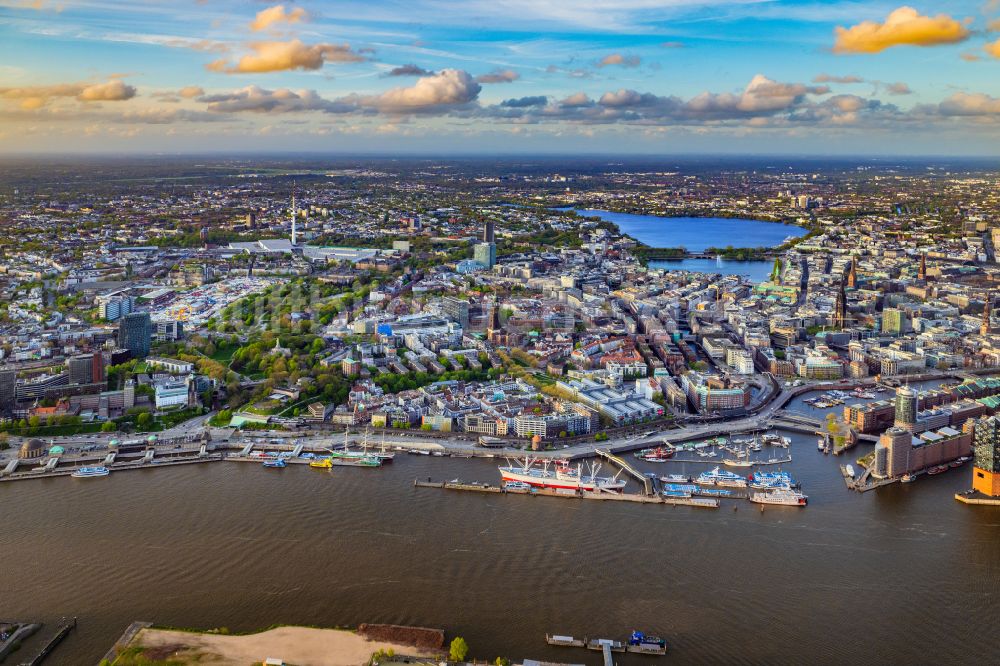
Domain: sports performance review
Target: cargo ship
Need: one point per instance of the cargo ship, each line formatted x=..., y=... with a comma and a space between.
x=559, y=475
x=782, y=496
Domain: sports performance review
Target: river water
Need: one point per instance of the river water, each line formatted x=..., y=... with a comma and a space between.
x=902, y=574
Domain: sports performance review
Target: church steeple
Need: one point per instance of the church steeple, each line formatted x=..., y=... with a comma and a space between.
x=984, y=328
x=852, y=274
x=922, y=273
x=840, y=310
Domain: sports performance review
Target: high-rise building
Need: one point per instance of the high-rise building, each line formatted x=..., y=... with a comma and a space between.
x=114, y=306
x=251, y=220
x=897, y=443
x=986, y=465
x=906, y=408
x=457, y=310
x=135, y=331
x=86, y=368
x=8, y=391
x=485, y=254
x=894, y=321
x=488, y=232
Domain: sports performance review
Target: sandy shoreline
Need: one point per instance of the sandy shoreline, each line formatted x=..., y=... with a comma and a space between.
x=301, y=646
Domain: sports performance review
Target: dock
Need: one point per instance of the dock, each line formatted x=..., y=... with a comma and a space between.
x=703, y=502
x=605, y=645
x=126, y=638
x=117, y=467
x=565, y=641
x=63, y=631
x=981, y=500
x=848, y=478
x=646, y=482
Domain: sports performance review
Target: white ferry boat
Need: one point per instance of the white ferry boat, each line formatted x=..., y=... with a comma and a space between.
x=721, y=477
x=783, y=496
x=559, y=476
x=761, y=480
x=89, y=472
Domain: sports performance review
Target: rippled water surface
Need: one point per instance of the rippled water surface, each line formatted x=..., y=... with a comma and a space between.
x=903, y=574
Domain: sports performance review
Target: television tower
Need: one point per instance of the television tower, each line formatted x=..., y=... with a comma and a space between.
x=294, y=215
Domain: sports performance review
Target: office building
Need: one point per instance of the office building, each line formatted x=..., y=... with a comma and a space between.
x=8, y=391
x=114, y=306
x=172, y=393
x=457, y=310
x=894, y=321
x=169, y=331
x=906, y=408
x=86, y=368
x=135, y=331
x=986, y=465
x=906, y=453
x=485, y=254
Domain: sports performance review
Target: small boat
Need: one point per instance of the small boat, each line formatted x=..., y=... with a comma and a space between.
x=659, y=454
x=322, y=463
x=516, y=485
x=908, y=478
x=958, y=462
x=646, y=644
x=278, y=463
x=90, y=472
x=820, y=444
x=675, y=478
x=937, y=469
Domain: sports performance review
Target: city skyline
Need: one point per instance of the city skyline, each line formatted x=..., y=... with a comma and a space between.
x=640, y=76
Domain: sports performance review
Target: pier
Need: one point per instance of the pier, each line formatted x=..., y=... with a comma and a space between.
x=703, y=502
x=63, y=631
x=647, y=482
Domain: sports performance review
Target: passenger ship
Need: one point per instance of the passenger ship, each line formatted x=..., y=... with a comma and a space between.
x=90, y=472
x=783, y=496
x=721, y=477
x=538, y=474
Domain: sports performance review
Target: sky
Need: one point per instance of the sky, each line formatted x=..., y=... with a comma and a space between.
x=501, y=76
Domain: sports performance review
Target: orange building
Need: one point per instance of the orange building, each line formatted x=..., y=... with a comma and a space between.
x=986, y=468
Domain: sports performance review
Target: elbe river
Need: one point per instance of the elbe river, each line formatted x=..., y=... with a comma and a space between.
x=904, y=574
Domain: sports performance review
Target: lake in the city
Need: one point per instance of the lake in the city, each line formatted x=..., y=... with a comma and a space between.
x=696, y=234
x=903, y=574
x=757, y=271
